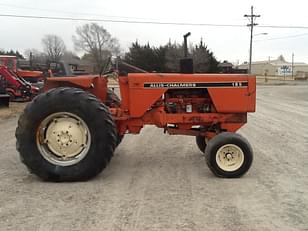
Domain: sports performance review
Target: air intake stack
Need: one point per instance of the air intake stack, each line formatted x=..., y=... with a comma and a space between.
x=186, y=64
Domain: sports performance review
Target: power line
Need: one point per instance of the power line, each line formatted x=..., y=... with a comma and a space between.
x=283, y=37
x=67, y=12
x=120, y=21
x=145, y=22
x=283, y=27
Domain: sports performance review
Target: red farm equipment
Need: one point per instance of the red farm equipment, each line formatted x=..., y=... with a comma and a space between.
x=4, y=97
x=69, y=133
x=11, y=63
x=17, y=87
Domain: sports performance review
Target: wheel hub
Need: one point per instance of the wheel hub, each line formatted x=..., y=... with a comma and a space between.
x=230, y=157
x=66, y=138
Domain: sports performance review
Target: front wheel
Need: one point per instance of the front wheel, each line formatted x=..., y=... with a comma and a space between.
x=201, y=142
x=229, y=155
x=66, y=134
x=12, y=96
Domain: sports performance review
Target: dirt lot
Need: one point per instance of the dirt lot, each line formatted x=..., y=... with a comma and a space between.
x=12, y=111
x=161, y=182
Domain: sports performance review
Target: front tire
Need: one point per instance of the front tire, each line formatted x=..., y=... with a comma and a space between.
x=66, y=134
x=229, y=155
x=201, y=142
x=12, y=96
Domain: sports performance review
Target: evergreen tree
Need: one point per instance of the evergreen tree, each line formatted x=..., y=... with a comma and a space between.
x=151, y=59
x=174, y=52
x=204, y=59
x=167, y=58
x=12, y=53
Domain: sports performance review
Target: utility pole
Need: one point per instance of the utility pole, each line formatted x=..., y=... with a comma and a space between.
x=292, y=66
x=252, y=18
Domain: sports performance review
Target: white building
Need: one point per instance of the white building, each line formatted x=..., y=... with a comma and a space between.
x=277, y=67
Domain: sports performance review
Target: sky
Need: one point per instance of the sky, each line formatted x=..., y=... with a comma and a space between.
x=227, y=43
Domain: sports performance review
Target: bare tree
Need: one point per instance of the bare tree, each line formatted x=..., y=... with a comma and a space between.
x=54, y=47
x=97, y=42
x=35, y=57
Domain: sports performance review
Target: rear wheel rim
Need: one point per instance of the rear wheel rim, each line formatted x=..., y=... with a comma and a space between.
x=230, y=157
x=63, y=139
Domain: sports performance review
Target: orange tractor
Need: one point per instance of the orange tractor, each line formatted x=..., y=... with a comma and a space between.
x=70, y=132
x=10, y=62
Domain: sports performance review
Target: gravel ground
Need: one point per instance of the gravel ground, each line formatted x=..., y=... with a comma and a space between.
x=161, y=182
x=14, y=109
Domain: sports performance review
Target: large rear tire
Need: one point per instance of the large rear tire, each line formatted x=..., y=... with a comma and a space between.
x=66, y=134
x=229, y=155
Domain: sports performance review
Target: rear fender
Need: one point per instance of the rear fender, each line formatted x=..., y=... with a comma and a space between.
x=93, y=84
